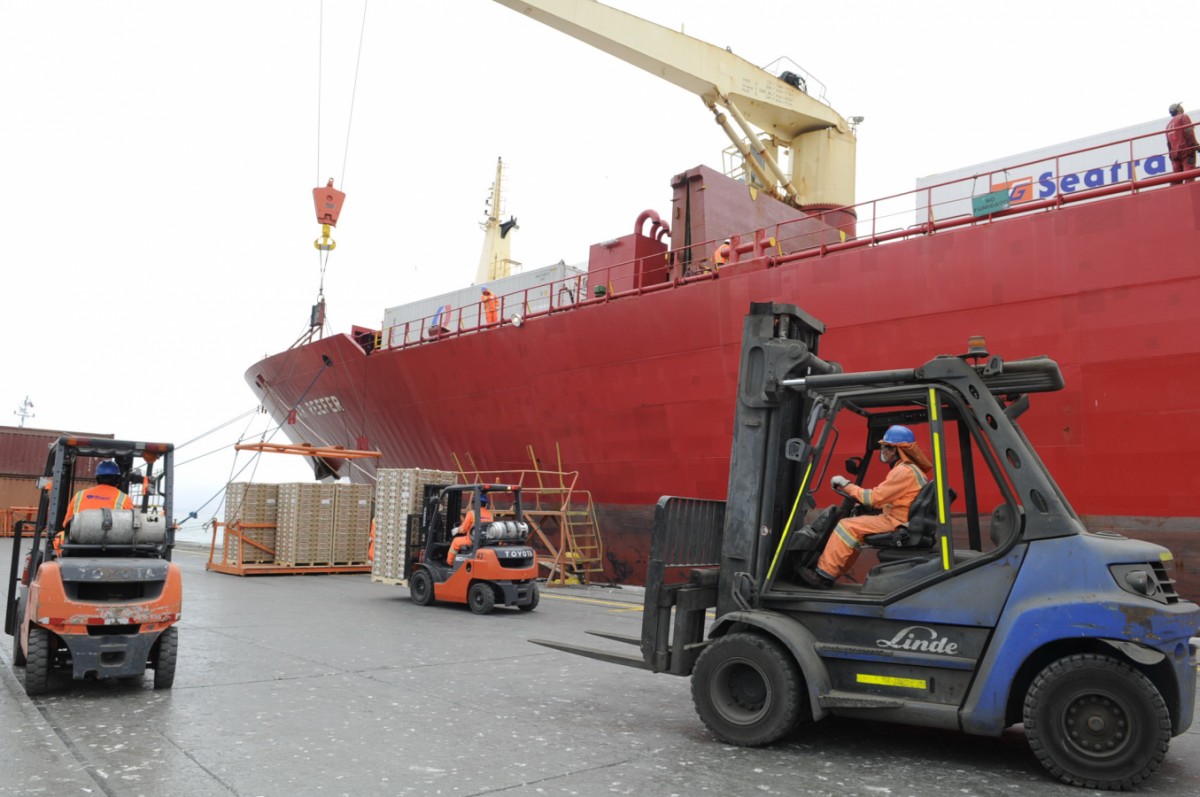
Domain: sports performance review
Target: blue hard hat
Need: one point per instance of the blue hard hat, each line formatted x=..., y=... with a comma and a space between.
x=108, y=468
x=483, y=499
x=898, y=435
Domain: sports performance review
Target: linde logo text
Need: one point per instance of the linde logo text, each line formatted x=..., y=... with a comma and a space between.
x=920, y=638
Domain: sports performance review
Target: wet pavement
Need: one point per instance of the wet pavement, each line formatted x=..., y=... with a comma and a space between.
x=334, y=685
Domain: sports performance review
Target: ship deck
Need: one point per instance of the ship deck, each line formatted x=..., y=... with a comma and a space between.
x=333, y=684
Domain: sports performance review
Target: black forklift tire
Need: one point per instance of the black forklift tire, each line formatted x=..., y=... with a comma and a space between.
x=166, y=650
x=420, y=588
x=748, y=689
x=37, y=663
x=481, y=597
x=1096, y=722
x=532, y=603
x=18, y=654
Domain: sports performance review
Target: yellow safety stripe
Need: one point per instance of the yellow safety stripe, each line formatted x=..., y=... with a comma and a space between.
x=883, y=680
x=937, y=457
x=788, y=526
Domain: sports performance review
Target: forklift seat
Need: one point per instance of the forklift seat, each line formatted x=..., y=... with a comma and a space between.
x=915, y=538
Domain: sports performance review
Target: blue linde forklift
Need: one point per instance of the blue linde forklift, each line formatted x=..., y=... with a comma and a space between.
x=993, y=606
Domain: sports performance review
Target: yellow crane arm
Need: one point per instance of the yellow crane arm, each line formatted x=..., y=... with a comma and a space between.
x=819, y=140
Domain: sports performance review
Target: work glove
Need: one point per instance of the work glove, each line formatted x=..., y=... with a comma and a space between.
x=839, y=482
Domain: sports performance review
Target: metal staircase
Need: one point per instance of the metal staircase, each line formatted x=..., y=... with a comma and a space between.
x=566, y=533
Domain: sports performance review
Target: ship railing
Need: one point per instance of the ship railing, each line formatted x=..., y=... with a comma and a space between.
x=1048, y=182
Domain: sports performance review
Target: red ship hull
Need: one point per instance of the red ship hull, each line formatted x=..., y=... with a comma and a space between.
x=637, y=391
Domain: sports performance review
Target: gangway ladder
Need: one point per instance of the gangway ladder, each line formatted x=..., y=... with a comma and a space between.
x=581, y=547
x=581, y=536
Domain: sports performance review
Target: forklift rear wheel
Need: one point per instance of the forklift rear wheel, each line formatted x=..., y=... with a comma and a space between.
x=481, y=597
x=533, y=600
x=747, y=689
x=420, y=587
x=1096, y=722
x=38, y=661
x=18, y=654
x=162, y=659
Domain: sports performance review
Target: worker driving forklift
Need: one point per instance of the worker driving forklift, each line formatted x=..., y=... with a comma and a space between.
x=486, y=562
x=98, y=593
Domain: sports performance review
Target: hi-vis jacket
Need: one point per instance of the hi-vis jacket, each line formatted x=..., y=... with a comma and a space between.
x=102, y=496
x=895, y=494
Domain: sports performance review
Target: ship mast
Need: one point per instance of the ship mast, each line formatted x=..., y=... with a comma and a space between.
x=495, y=260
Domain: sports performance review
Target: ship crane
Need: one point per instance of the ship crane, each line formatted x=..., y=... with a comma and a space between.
x=495, y=260
x=819, y=142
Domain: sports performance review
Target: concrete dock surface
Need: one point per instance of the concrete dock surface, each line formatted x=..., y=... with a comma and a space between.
x=335, y=685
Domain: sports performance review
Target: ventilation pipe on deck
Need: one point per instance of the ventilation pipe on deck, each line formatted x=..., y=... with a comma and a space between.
x=658, y=228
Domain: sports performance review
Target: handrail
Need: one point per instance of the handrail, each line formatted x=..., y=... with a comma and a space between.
x=906, y=215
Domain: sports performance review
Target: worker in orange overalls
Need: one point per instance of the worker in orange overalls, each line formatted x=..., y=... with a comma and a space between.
x=490, y=306
x=721, y=256
x=910, y=470
x=1181, y=139
x=105, y=495
x=462, y=532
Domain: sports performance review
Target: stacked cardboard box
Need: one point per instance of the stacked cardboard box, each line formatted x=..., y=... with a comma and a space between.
x=399, y=492
x=305, y=524
x=251, y=503
x=352, y=524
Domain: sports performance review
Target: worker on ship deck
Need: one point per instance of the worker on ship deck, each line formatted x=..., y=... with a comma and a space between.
x=462, y=532
x=1181, y=139
x=909, y=471
x=490, y=306
x=721, y=256
x=105, y=495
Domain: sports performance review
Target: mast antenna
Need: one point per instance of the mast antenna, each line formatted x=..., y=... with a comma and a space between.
x=24, y=411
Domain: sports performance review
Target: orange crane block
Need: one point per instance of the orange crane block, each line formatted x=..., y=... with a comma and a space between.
x=328, y=201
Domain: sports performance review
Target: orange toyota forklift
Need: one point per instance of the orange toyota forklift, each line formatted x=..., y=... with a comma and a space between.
x=497, y=568
x=103, y=601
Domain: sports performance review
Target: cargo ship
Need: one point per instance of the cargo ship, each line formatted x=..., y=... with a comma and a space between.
x=625, y=370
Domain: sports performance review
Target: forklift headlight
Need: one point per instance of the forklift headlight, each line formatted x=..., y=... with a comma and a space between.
x=1141, y=582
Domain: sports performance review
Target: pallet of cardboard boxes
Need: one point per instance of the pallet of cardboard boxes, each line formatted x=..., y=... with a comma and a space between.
x=399, y=494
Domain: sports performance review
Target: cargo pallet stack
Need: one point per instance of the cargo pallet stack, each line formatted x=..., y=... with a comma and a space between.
x=399, y=493
x=296, y=528
x=251, y=513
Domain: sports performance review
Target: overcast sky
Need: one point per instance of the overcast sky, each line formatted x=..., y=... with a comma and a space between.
x=156, y=214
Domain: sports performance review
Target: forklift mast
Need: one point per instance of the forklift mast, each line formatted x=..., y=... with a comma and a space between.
x=779, y=343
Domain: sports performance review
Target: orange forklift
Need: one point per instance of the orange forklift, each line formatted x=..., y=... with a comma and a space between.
x=498, y=567
x=102, y=597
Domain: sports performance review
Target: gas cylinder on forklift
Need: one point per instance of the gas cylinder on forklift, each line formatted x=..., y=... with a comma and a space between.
x=104, y=601
x=497, y=567
x=965, y=621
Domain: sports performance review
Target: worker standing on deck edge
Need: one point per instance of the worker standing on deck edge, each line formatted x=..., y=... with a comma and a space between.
x=1181, y=140
x=721, y=256
x=489, y=306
